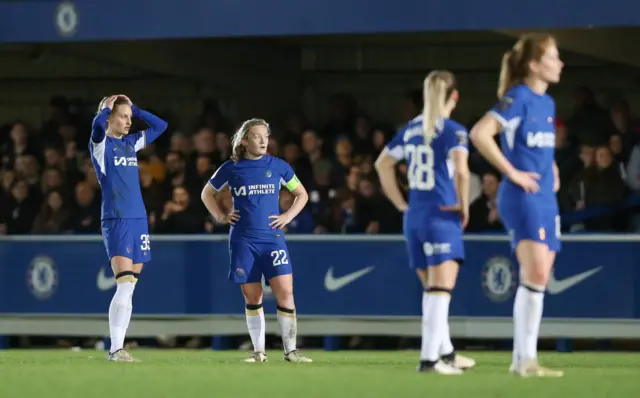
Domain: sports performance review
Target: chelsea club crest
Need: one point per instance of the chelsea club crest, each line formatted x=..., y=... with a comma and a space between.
x=499, y=279
x=42, y=277
x=267, y=173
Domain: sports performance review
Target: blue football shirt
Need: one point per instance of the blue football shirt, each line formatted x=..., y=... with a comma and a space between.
x=430, y=167
x=528, y=139
x=255, y=187
x=116, y=164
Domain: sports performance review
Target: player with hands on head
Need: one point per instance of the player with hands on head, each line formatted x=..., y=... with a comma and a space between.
x=257, y=244
x=125, y=231
x=436, y=151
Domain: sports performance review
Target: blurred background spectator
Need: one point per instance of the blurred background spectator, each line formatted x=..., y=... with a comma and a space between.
x=49, y=185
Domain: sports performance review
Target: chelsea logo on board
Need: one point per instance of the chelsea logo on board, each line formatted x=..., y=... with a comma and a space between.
x=267, y=173
x=499, y=279
x=42, y=277
x=66, y=19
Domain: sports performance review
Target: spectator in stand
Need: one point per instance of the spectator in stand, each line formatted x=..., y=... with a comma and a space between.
x=22, y=209
x=18, y=145
x=180, y=215
x=312, y=146
x=180, y=144
x=623, y=125
x=292, y=154
x=484, y=211
x=633, y=169
x=362, y=138
x=85, y=217
x=603, y=185
x=321, y=192
x=573, y=198
x=303, y=223
x=54, y=215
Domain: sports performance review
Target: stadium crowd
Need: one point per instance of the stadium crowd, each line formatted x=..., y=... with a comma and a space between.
x=48, y=185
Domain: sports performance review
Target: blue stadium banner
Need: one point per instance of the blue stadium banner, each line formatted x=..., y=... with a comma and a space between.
x=595, y=277
x=80, y=20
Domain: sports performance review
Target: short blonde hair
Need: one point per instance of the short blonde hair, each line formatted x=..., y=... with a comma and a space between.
x=238, y=151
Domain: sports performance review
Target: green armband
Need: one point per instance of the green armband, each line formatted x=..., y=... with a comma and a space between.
x=293, y=183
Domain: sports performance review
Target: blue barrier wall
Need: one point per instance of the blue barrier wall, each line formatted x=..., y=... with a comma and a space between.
x=50, y=20
x=596, y=277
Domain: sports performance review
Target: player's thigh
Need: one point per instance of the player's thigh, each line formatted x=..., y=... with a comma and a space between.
x=282, y=286
x=415, y=251
x=242, y=268
x=117, y=242
x=444, y=251
x=525, y=220
x=536, y=261
x=442, y=241
x=273, y=260
x=252, y=292
x=141, y=242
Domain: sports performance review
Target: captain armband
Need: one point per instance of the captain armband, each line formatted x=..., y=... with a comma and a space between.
x=293, y=183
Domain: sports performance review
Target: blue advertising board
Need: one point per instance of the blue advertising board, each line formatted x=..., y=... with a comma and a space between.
x=334, y=275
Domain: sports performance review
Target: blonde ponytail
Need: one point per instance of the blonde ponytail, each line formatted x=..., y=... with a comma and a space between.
x=102, y=104
x=507, y=79
x=438, y=86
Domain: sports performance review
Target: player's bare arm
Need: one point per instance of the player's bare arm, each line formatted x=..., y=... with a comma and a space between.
x=556, y=177
x=461, y=180
x=482, y=136
x=299, y=202
x=385, y=166
x=209, y=198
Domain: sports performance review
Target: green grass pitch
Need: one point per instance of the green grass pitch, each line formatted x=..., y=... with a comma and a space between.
x=357, y=374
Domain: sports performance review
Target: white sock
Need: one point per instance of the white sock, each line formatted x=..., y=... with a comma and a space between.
x=446, y=347
x=527, y=317
x=425, y=320
x=120, y=314
x=519, y=327
x=256, y=326
x=434, y=324
x=288, y=328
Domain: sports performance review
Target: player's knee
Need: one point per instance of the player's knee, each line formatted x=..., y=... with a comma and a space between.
x=538, y=276
x=252, y=294
x=253, y=309
x=121, y=264
x=439, y=290
x=538, y=271
x=126, y=277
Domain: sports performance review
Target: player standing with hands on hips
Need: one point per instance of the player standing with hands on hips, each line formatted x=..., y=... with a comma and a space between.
x=527, y=200
x=436, y=151
x=256, y=240
x=124, y=217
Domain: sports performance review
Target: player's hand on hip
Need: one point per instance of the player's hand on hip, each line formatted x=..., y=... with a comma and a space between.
x=526, y=180
x=280, y=221
x=463, y=211
x=231, y=218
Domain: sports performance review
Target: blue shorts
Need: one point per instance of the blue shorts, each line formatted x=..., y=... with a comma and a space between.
x=432, y=240
x=249, y=261
x=525, y=219
x=127, y=237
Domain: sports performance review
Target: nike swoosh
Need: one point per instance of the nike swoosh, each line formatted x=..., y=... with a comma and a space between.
x=332, y=284
x=558, y=286
x=104, y=282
